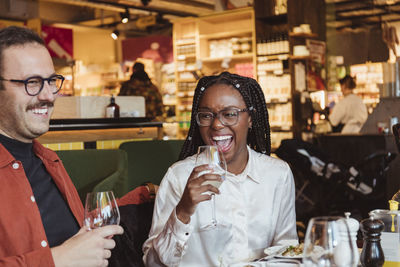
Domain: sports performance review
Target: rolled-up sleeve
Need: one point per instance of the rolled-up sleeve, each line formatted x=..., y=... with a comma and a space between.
x=168, y=235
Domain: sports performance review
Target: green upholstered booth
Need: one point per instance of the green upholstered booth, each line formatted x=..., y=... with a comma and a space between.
x=97, y=170
x=148, y=161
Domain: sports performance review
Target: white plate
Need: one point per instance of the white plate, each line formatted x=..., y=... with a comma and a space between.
x=297, y=257
x=248, y=264
x=274, y=249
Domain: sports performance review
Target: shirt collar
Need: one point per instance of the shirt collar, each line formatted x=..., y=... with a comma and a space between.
x=249, y=171
x=43, y=152
x=5, y=156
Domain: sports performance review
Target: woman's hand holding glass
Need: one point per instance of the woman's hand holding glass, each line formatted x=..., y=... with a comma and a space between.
x=199, y=182
x=215, y=159
x=207, y=176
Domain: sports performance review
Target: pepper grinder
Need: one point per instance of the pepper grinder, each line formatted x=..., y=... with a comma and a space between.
x=372, y=253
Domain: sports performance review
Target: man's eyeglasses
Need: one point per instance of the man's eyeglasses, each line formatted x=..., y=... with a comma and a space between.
x=34, y=85
x=227, y=117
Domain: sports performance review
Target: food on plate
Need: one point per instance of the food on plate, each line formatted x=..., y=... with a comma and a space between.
x=292, y=251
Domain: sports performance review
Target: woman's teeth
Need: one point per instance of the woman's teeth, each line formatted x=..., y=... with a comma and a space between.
x=223, y=142
x=220, y=138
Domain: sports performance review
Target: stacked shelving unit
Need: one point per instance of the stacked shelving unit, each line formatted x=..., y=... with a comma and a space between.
x=208, y=45
x=185, y=47
x=368, y=76
x=274, y=77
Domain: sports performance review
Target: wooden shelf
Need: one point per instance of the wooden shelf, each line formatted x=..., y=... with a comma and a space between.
x=221, y=35
x=186, y=56
x=282, y=100
x=281, y=128
x=185, y=93
x=185, y=42
x=274, y=55
x=185, y=107
x=185, y=80
x=185, y=70
x=302, y=35
x=299, y=57
x=233, y=57
x=366, y=93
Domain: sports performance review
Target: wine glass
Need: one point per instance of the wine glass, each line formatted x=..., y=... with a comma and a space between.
x=328, y=243
x=212, y=156
x=101, y=209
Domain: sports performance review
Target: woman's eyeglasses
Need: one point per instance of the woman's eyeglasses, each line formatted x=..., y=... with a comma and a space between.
x=34, y=85
x=227, y=117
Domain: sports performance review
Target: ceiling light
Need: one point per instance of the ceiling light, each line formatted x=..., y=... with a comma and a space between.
x=125, y=16
x=115, y=34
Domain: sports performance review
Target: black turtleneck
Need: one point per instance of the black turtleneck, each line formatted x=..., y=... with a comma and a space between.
x=58, y=220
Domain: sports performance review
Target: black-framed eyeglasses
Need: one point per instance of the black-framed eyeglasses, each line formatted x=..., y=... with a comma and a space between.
x=227, y=117
x=34, y=85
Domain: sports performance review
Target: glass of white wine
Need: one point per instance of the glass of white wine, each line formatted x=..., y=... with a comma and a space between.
x=212, y=156
x=101, y=209
x=328, y=243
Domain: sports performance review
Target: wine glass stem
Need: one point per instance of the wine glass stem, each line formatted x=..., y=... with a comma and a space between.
x=214, y=217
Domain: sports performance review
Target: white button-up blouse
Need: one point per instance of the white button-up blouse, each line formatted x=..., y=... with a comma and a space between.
x=254, y=210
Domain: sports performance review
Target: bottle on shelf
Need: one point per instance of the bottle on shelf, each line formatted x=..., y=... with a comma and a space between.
x=112, y=110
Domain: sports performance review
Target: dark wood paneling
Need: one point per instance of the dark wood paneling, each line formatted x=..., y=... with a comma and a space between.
x=310, y=12
x=264, y=8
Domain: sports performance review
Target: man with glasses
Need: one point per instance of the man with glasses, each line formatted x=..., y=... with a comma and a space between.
x=40, y=211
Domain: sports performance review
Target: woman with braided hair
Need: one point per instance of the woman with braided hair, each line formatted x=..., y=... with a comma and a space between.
x=255, y=204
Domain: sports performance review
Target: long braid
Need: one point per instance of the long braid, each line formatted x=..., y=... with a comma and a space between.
x=258, y=136
x=193, y=139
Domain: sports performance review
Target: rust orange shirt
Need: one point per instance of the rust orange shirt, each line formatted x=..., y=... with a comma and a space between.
x=23, y=238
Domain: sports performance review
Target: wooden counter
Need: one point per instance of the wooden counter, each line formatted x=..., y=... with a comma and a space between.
x=92, y=130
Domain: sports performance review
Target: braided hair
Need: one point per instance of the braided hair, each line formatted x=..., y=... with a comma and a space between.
x=258, y=137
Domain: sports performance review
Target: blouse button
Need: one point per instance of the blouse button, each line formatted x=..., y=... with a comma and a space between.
x=33, y=198
x=15, y=165
x=43, y=243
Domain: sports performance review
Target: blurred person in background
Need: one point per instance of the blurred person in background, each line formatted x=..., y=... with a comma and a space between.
x=350, y=113
x=140, y=84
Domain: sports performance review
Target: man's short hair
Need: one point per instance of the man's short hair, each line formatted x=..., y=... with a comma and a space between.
x=14, y=35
